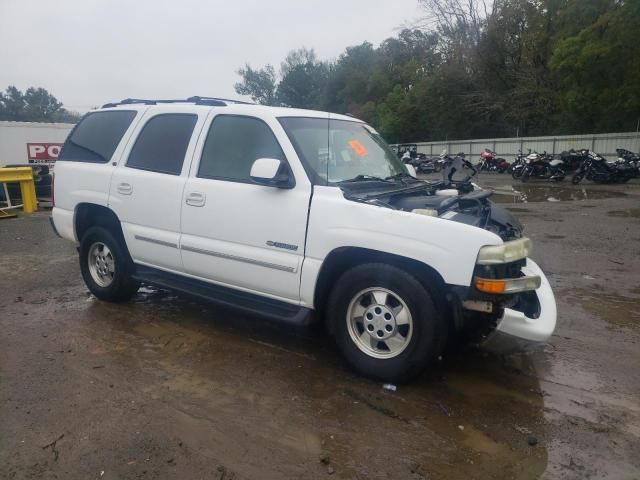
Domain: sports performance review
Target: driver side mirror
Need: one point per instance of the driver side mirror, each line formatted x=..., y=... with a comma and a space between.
x=412, y=170
x=272, y=172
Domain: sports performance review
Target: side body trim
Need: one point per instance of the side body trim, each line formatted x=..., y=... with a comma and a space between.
x=227, y=256
x=156, y=241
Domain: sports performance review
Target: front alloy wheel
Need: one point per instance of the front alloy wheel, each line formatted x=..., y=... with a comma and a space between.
x=379, y=322
x=385, y=321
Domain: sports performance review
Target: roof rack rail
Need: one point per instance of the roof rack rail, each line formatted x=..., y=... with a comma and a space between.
x=197, y=99
x=211, y=101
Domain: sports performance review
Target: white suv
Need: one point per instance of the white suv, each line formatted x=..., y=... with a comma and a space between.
x=283, y=212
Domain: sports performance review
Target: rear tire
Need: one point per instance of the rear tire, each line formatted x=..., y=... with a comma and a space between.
x=385, y=322
x=577, y=178
x=106, y=266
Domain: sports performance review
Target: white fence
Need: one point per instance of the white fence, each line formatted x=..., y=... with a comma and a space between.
x=604, y=144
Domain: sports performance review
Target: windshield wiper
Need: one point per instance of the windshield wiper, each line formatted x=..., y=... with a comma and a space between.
x=402, y=176
x=366, y=178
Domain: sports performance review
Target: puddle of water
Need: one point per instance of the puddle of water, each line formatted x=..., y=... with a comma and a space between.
x=615, y=309
x=480, y=442
x=548, y=193
x=211, y=361
x=630, y=212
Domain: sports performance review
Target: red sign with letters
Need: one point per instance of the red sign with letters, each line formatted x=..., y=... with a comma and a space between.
x=43, y=152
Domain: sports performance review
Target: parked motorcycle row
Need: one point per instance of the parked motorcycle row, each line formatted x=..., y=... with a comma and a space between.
x=584, y=163
x=600, y=170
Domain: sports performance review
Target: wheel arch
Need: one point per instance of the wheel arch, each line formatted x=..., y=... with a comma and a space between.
x=342, y=259
x=89, y=215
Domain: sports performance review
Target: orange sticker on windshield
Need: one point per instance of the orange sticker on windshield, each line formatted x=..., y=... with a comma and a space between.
x=359, y=148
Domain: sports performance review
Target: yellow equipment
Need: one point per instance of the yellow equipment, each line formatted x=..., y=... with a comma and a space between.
x=24, y=176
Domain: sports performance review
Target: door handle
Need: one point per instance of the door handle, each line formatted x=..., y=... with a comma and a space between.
x=196, y=199
x=125, y=188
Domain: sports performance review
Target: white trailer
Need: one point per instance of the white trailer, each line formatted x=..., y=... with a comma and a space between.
x=34, y=144
x=23, y=143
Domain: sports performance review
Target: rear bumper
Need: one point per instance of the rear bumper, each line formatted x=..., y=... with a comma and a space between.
x=516, y=331
x=62, y=223
x=53, y=225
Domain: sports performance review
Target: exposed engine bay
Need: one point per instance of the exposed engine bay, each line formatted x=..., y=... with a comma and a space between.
x=462, y=202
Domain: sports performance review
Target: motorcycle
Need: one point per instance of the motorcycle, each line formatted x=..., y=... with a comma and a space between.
x=539, y=166
x=594, y=167
x=572, y=159
x=632, y=160
x=490, y=162
x=515, y=168
x=406, y=150
x=457, y=163
x=429, y=165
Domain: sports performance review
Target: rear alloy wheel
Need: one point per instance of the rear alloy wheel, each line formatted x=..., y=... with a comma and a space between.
x=385, y=322
x=106, y=266
x=101, y=264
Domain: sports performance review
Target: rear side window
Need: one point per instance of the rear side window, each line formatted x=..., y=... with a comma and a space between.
x=233, y=144
x=162, y=143
x=96, y=137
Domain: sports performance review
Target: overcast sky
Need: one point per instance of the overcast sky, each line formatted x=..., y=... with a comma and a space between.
x=88, y=52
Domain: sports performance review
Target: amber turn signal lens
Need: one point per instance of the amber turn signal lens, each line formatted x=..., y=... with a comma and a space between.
x=490, y=286
x=507, y=285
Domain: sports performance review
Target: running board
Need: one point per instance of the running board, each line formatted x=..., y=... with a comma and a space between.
x=226, y=297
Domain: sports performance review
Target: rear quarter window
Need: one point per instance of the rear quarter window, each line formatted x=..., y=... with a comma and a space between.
x=97, y=136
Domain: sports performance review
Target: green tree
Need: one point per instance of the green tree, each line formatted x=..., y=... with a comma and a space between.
x=599, y=71
x=40, y=104
x=259, y=84
x=35, y=105
x=12, y=104
x=304, y=80
x=479, y=68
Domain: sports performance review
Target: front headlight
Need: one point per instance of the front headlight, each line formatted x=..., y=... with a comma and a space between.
x=505, y=253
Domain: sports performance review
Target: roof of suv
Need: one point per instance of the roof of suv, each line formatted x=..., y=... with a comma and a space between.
x=228, y=106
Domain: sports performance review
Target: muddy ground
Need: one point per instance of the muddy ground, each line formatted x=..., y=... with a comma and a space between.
x=165, y=387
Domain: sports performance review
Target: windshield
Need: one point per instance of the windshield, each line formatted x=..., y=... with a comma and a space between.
x=338, y=150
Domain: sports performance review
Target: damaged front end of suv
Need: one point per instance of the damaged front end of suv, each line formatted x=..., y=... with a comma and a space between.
x=509, y=305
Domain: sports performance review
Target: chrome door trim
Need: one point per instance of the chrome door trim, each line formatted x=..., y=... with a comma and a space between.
x=227, y=256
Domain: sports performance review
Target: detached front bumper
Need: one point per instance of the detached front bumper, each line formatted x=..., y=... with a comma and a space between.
x=515, y=330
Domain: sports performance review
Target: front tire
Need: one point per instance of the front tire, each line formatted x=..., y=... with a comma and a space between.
x=106, y=266
x=385, y=322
